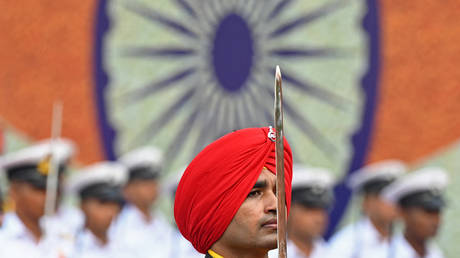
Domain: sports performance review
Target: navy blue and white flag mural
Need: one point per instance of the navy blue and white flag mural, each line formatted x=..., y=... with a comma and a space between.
x=178, y=74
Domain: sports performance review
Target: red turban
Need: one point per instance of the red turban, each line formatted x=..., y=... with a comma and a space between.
x=219, y=179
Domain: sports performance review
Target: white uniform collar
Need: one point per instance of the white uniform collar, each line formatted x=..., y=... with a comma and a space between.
x=88, y=240
x=136, y=212
x=134, y=217
x=14, y=227
x=402, y=248
x=369, y=232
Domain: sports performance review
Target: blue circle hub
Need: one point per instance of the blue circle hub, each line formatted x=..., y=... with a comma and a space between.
x=232, y=53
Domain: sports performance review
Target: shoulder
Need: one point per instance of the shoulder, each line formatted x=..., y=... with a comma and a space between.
x=12, y=246
x=3, y=238
x=434, y=251
x=11, y=223
x=346, y=233
x=127, y=221
x=161, y=223
x=126, y=212
x=342, y=243
x=320, y=249
x=400, y=247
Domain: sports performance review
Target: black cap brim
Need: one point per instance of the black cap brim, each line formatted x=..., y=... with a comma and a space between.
x=313, y=197
x=31, y=175
x=429, y=200
x=102, y=192
x=143, y=173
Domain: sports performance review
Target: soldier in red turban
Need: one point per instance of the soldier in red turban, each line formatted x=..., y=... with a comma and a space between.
x=226, y=200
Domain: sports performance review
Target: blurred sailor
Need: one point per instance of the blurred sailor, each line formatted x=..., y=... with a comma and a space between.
x=99, y=189
x=312, y=196
x=138, y=216
x=23, y=232
x=369, y=236
x=420, y=199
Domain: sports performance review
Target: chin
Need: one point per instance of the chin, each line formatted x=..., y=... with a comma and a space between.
x=433, y=234
x=270, y=241
x=274, y=246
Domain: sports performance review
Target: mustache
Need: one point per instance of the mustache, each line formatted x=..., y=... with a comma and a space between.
x=268, y=219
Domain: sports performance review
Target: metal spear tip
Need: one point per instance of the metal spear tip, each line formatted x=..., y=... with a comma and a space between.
x=278, y=73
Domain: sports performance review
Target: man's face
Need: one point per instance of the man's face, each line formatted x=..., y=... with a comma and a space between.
x=29, y=200
x=378, y=210
x=142, y=192
x=420, y=223
x=99, y=215
x=306, y=223
x=254, y=225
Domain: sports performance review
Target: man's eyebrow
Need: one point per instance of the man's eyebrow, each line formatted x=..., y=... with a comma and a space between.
x=260, y=184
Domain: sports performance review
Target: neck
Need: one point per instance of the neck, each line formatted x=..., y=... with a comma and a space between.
x=305, y=245
x=384, y=229
x=418, y=244
x=240, y=253
x=32, y=225
x=145, y=212
x=101, y=235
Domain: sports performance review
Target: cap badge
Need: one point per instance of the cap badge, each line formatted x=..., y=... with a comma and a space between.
x=44, y=166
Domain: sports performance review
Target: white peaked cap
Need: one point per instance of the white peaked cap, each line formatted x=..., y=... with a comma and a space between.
x=384, y=170
x=429, y=179
x=147, y=156
x=61, y=149
x=304, y=176
x=109, y=172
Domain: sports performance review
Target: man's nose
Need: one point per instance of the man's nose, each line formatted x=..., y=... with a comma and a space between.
x=270, y=202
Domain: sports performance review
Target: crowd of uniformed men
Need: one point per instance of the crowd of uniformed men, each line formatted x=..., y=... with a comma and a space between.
x=116, y=214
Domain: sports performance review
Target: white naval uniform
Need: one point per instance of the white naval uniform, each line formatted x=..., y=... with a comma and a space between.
x=66, y=222
x=67, y=218
x=358, y=240
x=17, y=242
x=319, y=250
x=88, y=246
x=154, y=236
x=400, y=248
x=10, y=222
x=70, y=217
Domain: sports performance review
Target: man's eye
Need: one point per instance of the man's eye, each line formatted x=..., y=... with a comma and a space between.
x=254, y=193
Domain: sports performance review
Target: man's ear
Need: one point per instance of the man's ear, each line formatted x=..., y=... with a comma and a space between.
x=13, y=190
x=126, y=191
x=83, y=206
x=366, y=203
x=403, y=213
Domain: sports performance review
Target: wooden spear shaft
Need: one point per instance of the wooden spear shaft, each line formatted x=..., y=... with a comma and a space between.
x=52, y=179
x=280, y=187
